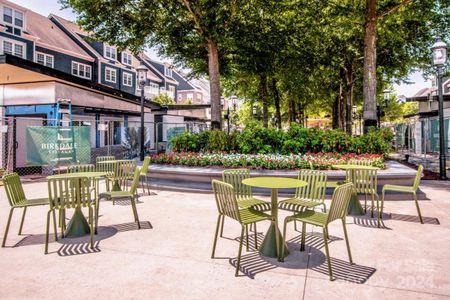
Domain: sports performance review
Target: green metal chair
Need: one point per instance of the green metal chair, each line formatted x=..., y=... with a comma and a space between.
x=122, y=174
x=129, y=191
x=228, y=206
x=104, y=167
x=361, y=162
x=243, y=193
x=404, y=189
x=17, y=199
x=144, y=171
x=338, y=210
x=365, y=182
x=308, y=196
x=70, y=193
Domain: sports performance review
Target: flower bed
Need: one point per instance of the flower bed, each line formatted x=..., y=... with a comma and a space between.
x=322, y=161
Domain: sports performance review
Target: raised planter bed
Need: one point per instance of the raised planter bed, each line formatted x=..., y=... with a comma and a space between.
x=196, y=178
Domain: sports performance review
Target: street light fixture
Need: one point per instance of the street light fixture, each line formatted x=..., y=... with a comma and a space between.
x=142, y=77
x=439, y=50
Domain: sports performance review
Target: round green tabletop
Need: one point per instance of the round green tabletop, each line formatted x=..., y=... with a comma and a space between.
x=79, y=174
x=354, y=167
x=274, y=182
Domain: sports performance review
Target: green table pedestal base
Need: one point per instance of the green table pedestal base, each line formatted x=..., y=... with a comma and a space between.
x=354, y=207
x=116, y=186
x=268, y=246
x=78, y=226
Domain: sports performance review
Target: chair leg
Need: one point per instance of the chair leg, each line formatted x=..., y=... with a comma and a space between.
x=365, y=203
x=418, y=208
x=221, y=227
x=23, y=219
x=302, y=243
x=283, y=242
x=256, y=237
x=324, y=207
x=46, y=231
x=147, y=184
x=238, y=264
x=219, y=217
x=325, y=234
x=7, y=226
x=372, y=206
x=136, y=217
x=91, y=226
x=55, y=230
x=347, y=242
x=380, y=212
x=246, y=237
x=97, y=209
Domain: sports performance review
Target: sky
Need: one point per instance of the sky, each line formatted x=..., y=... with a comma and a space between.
x=46, y=7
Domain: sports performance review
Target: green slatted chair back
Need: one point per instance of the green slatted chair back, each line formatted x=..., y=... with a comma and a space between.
x=69, y=192
x=315, y=189
x=107, y=167
x=14, y=189
x=81, y=168
x=361, y=162
x=418, y=177
x=135, y=182
x=226, y=199
x=364, y=181
x=235, y=177
x=339, y=202
x=124, y=173
x=145, y=165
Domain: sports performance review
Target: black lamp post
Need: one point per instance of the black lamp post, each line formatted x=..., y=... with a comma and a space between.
x=142, y=75
x=439, y=50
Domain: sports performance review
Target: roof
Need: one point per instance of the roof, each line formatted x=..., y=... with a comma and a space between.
x=79, y=34
x=57, y=75
x=150, y=63
x=46, y=35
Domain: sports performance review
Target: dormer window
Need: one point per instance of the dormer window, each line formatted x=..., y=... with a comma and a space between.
x=127, y=58
x=110, y=52
x=167, y=71
x=13, y=19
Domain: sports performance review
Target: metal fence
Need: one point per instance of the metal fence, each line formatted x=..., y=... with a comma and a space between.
x=37, y=146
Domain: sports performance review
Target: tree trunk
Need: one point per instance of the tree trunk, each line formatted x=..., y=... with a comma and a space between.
x=292, y=112
x=339, y=109
x=301, y=114
x=349, y=98
x=276, y=97
x=370, y=65
x=214, y=83
x=264, y=95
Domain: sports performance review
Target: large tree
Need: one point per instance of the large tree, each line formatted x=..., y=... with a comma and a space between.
x=193, y=33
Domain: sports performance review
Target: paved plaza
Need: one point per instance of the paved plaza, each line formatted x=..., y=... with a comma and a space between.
x=170, y=256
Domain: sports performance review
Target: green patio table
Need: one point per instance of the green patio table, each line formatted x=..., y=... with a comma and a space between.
x=116, y=185
x=354, y=207
x=78, y=225
x=269, y=245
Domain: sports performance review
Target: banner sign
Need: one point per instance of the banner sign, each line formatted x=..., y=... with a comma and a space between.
x=58, y=145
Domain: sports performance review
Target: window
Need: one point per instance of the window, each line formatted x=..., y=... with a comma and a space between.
x=81, y=70
x=127, y=58
x=127, y=79
x=180, y=97
x=13, y=18
x=110, y=75
x=44, y=59
x=190, y=96
x=13, y=47
x=154, y=88
x=110, y=52
x=167, y=71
